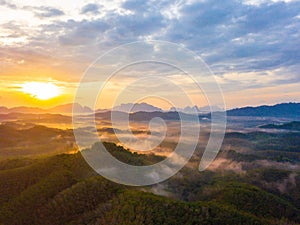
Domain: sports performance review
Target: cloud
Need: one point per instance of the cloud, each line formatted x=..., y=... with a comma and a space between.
x=8, y=4
x=232, y=31
x=39, y=11
x=112, y=29
x=82, y=32
x=47, y=12
x=90, y=8
x=251, y=38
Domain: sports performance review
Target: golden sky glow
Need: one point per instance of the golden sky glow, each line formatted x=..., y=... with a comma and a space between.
x=45, y=47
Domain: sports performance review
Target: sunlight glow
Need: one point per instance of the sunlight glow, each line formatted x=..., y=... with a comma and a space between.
x=41, y=90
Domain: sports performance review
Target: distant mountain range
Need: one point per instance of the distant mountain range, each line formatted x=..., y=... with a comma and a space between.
x=144, y=116
x=127, y=108
x=61, y=109
x=145, y=107
x=137, y=107
x=284, y=110
x=193, y=109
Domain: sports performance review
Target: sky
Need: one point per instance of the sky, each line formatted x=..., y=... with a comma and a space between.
x=251, y=46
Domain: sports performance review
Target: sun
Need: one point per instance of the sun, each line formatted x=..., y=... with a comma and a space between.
x=41, y=90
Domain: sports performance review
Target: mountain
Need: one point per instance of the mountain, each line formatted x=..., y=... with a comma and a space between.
x=25, y=109
x=3, y=109
x=145, y=116
x=137, y=107
x=196, y=109
x=213, y=108
x=285, y=110
x=60, y=109
x=187, y=109
x=36, y=118
x=68, y=108
x=18, y=139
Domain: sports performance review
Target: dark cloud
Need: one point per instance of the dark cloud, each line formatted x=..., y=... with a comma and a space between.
x=90, y=8
x=137, y=5
x=83, y=32
x=245, y=37
x=230, y=35
x=112, y=28
x=140, y=24
x=46, y=12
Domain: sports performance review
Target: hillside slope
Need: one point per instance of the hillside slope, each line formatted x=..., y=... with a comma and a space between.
x=63, y=189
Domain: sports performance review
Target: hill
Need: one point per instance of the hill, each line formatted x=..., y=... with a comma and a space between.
x=36, y=118
x=30, y=139
x=295, y=125
x=68, y=109
x=137, y=107
x=145, y=116
x=60, y=109
x=196, y=109
x=63, y=189
x=284, y=110
x=287, y=110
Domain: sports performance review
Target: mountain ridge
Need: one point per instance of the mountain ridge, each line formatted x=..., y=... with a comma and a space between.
x=136, y=107
x=63, y=109
x=288, y=110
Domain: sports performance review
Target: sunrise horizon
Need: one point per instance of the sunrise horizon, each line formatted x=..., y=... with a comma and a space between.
x=54, y=46
x=164, y=108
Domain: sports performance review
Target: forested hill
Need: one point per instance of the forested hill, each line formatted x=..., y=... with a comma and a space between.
x=63, y=189
x=289, y=110
x=295, y=125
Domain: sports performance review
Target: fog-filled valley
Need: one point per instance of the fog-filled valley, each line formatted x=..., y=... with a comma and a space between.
x=255, y=178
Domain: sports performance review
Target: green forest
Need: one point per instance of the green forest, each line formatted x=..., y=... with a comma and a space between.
x=63, y=189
